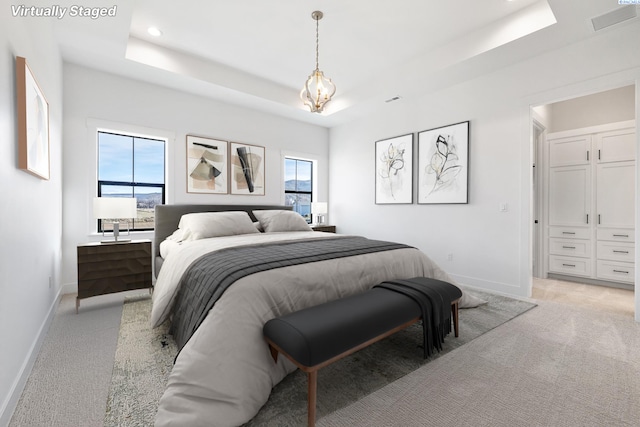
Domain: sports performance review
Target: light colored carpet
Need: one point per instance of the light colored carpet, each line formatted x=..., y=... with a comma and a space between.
x=592, y=297
x=144, y=358
x=68, y=385
x=557, y=365
x=70, y=380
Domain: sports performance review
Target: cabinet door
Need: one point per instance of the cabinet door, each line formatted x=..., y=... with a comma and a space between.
x=616, y=146
x=615, y=194
x=569, y=151
x=570, y=195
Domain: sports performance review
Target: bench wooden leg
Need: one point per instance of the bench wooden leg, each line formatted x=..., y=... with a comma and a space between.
x=454, y=311
x=311, y=410
x=274, y=352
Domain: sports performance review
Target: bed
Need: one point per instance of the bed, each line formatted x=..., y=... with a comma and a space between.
x=224, y=372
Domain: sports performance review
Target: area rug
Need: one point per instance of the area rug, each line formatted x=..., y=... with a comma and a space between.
x=144, y=358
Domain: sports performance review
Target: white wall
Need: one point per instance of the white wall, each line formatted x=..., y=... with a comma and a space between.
x=616, y=105
x=93, y=97
x=490, y=249
x=30, y=210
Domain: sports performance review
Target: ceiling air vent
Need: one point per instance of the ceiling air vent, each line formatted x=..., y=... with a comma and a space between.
x=614, y=17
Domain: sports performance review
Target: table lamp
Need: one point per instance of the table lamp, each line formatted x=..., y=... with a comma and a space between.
x=115, y=208
x=319, y=209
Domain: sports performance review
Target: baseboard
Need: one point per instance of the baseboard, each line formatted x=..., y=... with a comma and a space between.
x=588, y=281
x=505, y=289
x=10, y=404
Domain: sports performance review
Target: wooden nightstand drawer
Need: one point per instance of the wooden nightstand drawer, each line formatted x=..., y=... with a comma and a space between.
x=109, y=268
x=325, y=228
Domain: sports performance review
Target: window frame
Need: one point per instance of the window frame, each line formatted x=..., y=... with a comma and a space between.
x=132, y=185
x=311, y=184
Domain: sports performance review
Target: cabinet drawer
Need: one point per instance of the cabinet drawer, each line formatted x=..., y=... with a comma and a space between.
x=616, y=234
x=614, y=251
x=570, y=265
x=570, y=232
x=616, y=271
x=568, y=247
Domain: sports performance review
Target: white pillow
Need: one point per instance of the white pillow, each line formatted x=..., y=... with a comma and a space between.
x=203, y=225
x=278, y=220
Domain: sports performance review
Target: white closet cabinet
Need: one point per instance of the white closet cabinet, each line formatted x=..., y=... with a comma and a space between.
x=591, y=202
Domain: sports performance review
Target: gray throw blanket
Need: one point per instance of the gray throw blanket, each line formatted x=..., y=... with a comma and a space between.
x=434, y=298
x=209, y=276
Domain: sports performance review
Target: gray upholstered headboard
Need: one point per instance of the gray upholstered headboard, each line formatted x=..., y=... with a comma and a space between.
x=167, y=218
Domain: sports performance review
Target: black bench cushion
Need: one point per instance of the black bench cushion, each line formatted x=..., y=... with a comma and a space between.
x=316, y=334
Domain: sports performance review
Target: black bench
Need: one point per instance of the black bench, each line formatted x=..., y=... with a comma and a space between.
x=317, y=336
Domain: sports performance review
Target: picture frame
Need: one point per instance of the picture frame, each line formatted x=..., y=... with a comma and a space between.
x=207, y=165
x=33, y=123
x=247, y=169
x=443, y=164
x=394, y=170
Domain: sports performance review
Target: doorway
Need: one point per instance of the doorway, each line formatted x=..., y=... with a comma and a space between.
x=538, y=137
x=611, y=106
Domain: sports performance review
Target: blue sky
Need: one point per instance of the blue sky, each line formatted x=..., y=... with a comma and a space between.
x=303, y=170
x=117, y=154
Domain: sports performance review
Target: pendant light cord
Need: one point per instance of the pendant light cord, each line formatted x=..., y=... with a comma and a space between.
x=317, y=44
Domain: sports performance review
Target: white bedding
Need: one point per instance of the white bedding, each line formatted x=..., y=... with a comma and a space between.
x=225, y=373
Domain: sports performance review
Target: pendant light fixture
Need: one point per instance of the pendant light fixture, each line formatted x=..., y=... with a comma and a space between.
x=318, y=89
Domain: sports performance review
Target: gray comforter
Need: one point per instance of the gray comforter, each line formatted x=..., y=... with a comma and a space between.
x=224, y=373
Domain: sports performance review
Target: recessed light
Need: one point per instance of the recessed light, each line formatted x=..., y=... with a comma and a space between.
x=154, y=31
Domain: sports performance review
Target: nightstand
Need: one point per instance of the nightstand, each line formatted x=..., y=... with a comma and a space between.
x=105, y=268
x=323, y=227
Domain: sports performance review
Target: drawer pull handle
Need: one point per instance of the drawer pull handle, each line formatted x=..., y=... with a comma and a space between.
x=569, y=265
x=568, y=247
x=620, y=235
x=620, y=252
x=620, y=271
x=568, y=232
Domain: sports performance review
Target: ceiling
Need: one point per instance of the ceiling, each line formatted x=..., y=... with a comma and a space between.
x=258, y=54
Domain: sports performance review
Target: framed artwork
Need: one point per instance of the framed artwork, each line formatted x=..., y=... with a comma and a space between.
x=247, y=169
x=443, y=164
x=394, y=170
x=207, y=165
x=33, y=123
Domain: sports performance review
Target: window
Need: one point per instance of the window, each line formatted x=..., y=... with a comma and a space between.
x=298, y=185
x=132, y=166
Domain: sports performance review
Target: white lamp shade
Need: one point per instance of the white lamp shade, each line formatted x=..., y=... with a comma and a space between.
x=319, y=207
x=114, y=207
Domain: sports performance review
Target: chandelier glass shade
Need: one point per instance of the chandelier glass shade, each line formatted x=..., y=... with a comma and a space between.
x=318, y=89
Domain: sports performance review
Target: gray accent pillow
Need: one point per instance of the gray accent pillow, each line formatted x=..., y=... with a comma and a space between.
x=277, y=220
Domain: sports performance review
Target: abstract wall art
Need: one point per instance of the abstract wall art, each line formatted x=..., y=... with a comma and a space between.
x=33, y=123
x=394, y=170
x=247, y=173
x=443, y=164
x=207, y=165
